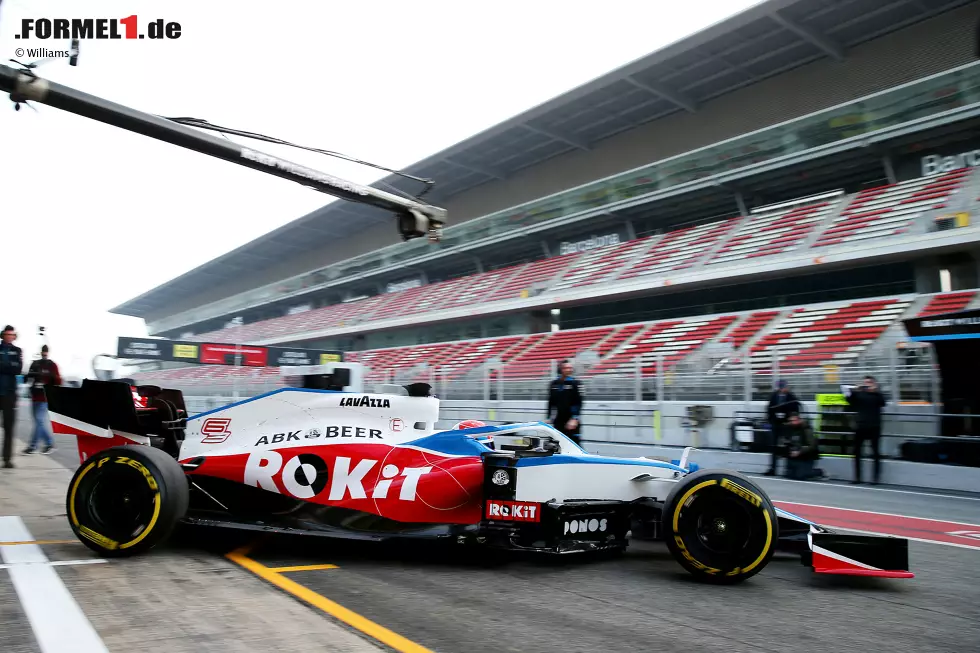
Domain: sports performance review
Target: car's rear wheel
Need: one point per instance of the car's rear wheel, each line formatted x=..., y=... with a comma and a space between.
x=720, y=526
x=124, y=500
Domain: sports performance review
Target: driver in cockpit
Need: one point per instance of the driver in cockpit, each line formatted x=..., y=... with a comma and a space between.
x=482, y=438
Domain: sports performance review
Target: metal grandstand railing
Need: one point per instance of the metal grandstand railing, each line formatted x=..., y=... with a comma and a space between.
x=906, y=376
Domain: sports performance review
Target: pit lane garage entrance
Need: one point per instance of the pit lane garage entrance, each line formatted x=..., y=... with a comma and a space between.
x=956, y=339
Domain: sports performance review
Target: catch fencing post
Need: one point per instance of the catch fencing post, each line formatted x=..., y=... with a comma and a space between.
x=893, y=376
x=660, y=381
x=747, y=378
x=637, y=381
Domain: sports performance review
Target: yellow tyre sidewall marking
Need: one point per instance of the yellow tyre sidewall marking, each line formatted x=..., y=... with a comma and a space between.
x=101, y=539
x=740, y=491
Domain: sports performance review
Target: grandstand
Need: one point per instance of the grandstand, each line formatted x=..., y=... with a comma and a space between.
x=772, y=195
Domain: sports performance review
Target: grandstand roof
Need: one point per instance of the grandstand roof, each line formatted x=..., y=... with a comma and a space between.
x=770, y=38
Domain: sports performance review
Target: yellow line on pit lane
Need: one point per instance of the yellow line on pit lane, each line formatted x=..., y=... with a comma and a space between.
x=40, y=542
x=349, y=617
x=280, y=570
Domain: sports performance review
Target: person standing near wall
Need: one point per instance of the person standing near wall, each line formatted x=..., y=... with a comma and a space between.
x=781, y=404
x=565, y=402
x=43, y=374
x=866, y=401
x=11, y=365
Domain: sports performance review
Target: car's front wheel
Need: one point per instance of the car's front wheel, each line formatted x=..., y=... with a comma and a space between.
x=720, y=526
x=124, y=500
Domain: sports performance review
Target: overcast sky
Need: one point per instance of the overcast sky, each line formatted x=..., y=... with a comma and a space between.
x=93, y=215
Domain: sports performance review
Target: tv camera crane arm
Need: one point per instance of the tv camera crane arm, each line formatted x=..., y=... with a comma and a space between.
x=415, y=218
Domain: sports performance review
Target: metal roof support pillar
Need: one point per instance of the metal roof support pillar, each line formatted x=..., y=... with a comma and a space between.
x=630, y=230
x=479, y=264
x=820, y=40
x=545, y=249
x=886, y=161
x=740, y=203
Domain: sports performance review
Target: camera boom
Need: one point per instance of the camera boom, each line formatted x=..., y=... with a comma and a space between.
x=414, y=218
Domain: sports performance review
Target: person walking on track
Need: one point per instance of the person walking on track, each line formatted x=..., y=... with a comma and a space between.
x=11, y=365
x=42, y=375
x=565, y=402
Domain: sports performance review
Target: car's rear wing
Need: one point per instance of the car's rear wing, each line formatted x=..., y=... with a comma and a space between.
x=103, y=414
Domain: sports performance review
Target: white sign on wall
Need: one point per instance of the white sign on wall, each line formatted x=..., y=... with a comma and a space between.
x=590, y=243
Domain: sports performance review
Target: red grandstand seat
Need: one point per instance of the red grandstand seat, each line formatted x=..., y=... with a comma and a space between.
x=819, y=335
x=680, y=249
x=892, y=209
x=772, y=232
x=948, y=303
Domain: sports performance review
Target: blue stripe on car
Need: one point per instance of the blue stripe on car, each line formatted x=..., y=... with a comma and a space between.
x=567, y=459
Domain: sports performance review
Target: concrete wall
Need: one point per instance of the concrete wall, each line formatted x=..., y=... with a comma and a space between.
x=918, y=51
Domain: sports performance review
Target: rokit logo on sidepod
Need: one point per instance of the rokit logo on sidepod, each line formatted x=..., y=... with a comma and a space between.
x=306, y=475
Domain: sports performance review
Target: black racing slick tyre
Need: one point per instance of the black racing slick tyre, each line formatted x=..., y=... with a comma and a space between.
x=124, y=500
x=720, y=526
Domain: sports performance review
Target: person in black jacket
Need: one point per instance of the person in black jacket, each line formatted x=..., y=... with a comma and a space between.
x=781, y=404
x=11, y=365
x=867, y=401
x=565, y=402
x=802, y=449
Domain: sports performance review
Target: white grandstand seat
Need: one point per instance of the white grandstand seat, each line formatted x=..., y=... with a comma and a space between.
x=538, y=359
x=522, y=282
x=811, y=337
x=672, y=339
x=948, y=303
x=335, y=315
x=610, y=344
x=749, y=328
x=771, y=233
x=680, y=249
x=477, y=352
x=479, y=287
x=429, y=297
x=890, y=210
x=600, y=264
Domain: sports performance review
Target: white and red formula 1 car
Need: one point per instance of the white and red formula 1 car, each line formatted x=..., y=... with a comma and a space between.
x=322, y=461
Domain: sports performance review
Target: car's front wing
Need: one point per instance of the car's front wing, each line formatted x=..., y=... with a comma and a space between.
x=843, y=554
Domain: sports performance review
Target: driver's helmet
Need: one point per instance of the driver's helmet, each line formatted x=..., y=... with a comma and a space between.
x=482, y=438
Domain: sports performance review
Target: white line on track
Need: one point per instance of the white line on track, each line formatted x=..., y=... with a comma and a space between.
x=863, y=487
x=66, y=563
x=58, y=622
x=877, y=512
x=911, y=539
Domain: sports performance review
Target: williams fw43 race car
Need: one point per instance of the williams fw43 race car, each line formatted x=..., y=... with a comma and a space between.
x=321, y=462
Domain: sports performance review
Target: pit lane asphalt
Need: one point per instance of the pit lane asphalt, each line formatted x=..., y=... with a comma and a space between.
x=443, y=600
